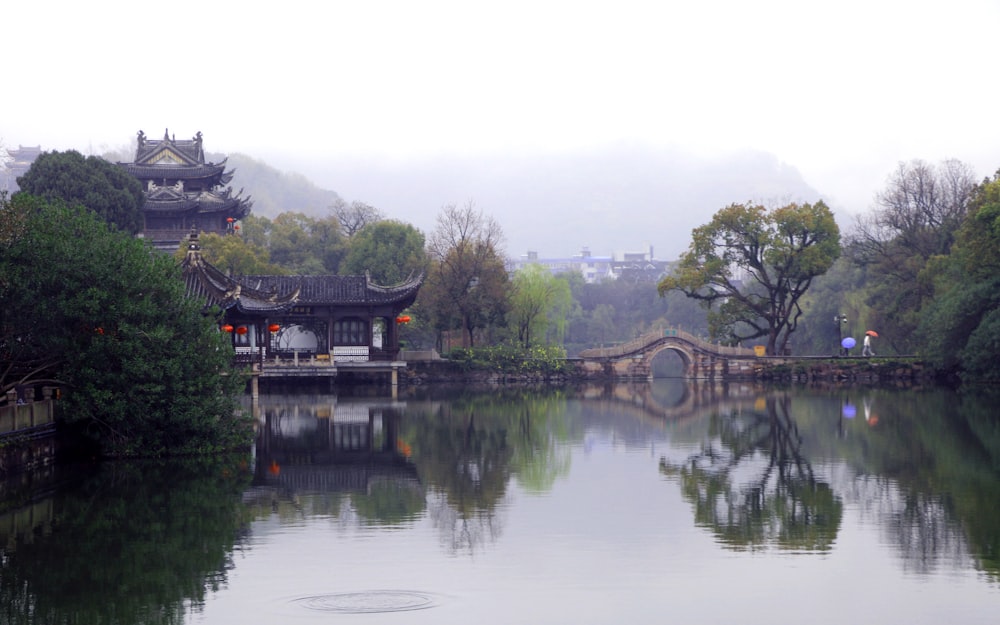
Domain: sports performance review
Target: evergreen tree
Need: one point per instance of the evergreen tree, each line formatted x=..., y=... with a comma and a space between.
x=92, y=182
x=102, y=315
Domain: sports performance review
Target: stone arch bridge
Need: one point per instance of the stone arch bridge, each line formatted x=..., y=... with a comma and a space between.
x=633, y=360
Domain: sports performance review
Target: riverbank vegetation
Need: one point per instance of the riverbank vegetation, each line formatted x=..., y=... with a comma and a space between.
x=94, y=311
x=918, y=268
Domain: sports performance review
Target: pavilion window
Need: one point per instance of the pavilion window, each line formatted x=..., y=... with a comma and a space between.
x=241, y=340
x=350, y=332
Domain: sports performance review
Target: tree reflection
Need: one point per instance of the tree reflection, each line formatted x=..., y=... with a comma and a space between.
x=753, y=487
x=468, y=449
x=937, y=458
x=132, y=543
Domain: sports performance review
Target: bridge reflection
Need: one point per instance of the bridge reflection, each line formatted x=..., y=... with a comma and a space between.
x=675, y=400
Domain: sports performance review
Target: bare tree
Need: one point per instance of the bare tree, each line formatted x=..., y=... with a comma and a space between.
x=918, y=213
x=354, y=216
x=915, y=218
x=468, y=284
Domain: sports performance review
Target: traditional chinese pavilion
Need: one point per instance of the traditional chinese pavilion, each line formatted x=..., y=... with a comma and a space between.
x=183, y=192
x=21, y=160
x=282, y=321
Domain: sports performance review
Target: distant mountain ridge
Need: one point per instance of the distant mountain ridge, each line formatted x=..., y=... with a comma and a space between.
x=622, y=198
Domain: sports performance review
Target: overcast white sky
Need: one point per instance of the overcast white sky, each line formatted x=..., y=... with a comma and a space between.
x=840, y=90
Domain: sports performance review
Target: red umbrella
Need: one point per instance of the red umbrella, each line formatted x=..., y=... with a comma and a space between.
x=872, y=333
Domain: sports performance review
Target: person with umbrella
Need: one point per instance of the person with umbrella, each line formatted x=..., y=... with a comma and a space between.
x=867, y=349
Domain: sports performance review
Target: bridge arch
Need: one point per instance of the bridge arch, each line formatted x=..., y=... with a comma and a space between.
x=701, y=359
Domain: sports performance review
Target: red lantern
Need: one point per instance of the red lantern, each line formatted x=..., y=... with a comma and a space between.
x=236, y=227
x=227, y=328
x=241, y=330
x=273, y=327
x=230, y=219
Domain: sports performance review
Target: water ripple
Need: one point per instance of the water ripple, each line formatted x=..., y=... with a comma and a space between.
x=368, y=601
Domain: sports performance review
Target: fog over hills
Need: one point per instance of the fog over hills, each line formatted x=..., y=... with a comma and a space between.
x=622, y=198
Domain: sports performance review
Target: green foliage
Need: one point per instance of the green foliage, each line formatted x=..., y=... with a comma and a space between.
x=234, y=254
x=298, y=243
x=391, y=251
x=539, y=301
x=145, y=372
x=512, y=359
x=915, y=220
x=92, y=182
x=750, y=268
x=960, y=328
x=840, y=291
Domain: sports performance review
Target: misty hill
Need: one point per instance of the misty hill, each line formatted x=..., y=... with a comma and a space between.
x=274, y=191
x=616, y=199
x=624, y=198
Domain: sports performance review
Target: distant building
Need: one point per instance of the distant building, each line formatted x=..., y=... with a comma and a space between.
x=182, y=191
x=20, y=163
x=630, y=266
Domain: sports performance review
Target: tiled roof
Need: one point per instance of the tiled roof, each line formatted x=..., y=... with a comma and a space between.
x=280, y=293
x=177, y=172
x=337, y=289
x=204, y=203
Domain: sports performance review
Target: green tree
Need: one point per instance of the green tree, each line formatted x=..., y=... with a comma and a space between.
x=290, y=243
x=916, y=218
x=233, y=254
x=300, y=243
x=390, y=251
x=960, y=328
x=145, y=372
x=750, y=268
x=539, y=300
x=92, y=182
x=467, y=287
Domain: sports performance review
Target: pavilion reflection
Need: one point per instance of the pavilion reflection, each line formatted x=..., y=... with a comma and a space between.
x=323, y=445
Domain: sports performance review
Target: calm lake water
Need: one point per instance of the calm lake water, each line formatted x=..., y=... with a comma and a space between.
x=639, y=503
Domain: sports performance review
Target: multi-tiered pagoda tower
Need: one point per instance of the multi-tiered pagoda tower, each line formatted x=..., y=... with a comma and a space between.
x=183, y=192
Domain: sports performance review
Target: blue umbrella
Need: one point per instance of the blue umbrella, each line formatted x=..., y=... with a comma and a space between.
x=848, y=343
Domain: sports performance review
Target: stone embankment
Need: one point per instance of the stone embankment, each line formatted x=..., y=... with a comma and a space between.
x=847, y=370
x=444, y=371
x=784, y=370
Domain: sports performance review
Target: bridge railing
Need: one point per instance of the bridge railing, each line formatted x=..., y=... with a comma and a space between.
x=642, y=342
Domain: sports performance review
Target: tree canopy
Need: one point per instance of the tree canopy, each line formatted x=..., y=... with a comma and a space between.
x=916, y=218
x=144, y=370
x=539, y=301
x=390, y=251
x=91, y=182
x=467, y=285
x=750, y=267
x=960, y=327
